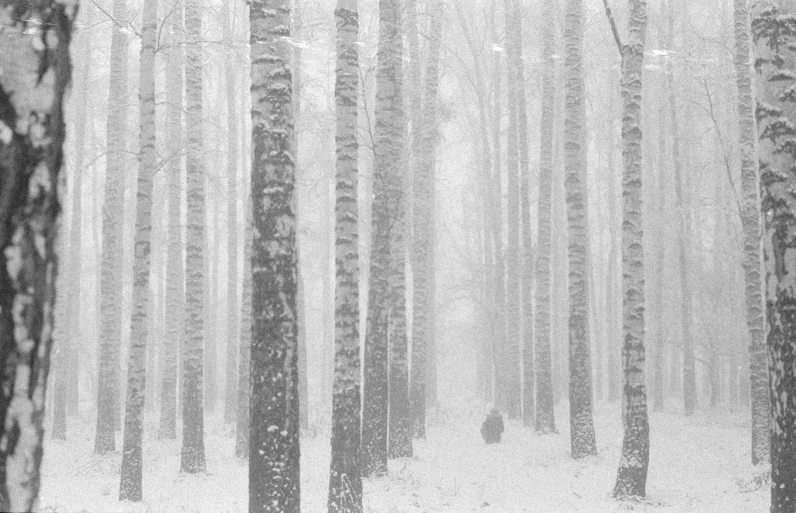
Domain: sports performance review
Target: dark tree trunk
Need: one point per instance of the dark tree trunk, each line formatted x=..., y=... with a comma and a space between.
x=31, y=161
x=274, y=485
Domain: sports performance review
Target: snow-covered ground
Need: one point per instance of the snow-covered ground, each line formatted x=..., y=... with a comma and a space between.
x=698, y=465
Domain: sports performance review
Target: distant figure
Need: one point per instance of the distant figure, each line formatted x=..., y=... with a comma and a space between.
x=492, y=427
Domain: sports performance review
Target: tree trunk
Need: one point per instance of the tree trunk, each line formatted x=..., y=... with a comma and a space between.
x=36, y=74
x=132, y=454
x=74, y=346
x=631, y=479
x=345, y=477
x=750, y=183
x=274, y=431
x=175, y=273
x=526, y=260
x=659, y=361
x=244, y=358
x=683, y=227
x=388, y=155
x=511, y=360
x=775, y=113
x=230, y=390
x=423, y=298
x=545, y=412
x=581, y=421
x=192, y=458
x=611, y=294
x=112, y=240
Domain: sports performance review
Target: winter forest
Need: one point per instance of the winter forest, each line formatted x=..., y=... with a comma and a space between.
x=398, y=256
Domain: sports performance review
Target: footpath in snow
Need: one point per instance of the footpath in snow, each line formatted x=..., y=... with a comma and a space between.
x=697, y=465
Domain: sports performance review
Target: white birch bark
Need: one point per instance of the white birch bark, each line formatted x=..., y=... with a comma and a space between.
x=130, y=487
x=175, y=271
x=581, y=420
x=193, y=454
x=112, y=238
x=345, y=480
x=545, y=413
x=631, y=477
x=750, y=184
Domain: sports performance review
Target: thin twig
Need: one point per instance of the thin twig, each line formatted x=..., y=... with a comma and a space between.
x=615, y=31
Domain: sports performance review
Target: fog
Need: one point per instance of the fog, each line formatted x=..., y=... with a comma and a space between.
x=397, y=256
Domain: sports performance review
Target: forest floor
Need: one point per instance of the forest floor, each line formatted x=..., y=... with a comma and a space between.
x=698, y=464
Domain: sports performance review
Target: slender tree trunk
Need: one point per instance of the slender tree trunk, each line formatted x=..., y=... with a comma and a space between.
x=545, y=413
x=423, y=299
x=130, y=487
x=112, y=240
x=192, y=459
x=74, y=332
x=526, y=255
x=400, y=427
x=244, y=359
x=345, y=479
x=750, y=183
x=683, y=226
x=230, y=390
x=631, y=479
x=30, y=220
x=388, y=155
x=175, y=273
x=580, y=396
x=511, y=362
x=274, y=484
x=614, y=348
x=209, y=252
x=659, y=362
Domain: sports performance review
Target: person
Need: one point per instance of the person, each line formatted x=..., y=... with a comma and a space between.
x=492, y=427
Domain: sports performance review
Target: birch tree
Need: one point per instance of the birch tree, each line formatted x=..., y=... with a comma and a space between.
x=511, y=360
x=631, y=479
x=581, y=421
x=130, y=487
x=387, y=155
x=750, y=183
x=392, y=146
x=192, y=458
x=112, y=245
x=274, y=431
x=683, y=229
x=244, y=358
x=423, y=293
x=175, y=271
x=34, y=57
x=545, y=412
x=345, y=479
x=230, y=391
x=774, y=31
x=526, y=250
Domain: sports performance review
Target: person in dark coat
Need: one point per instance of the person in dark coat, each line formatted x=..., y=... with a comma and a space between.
x=492, y=427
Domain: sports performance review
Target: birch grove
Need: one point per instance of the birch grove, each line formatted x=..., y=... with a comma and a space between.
x=405, y=255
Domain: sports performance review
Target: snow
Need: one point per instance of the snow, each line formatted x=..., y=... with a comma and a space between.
x=698, y=464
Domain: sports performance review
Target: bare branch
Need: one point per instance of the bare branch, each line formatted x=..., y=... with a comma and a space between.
x=615, y=31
